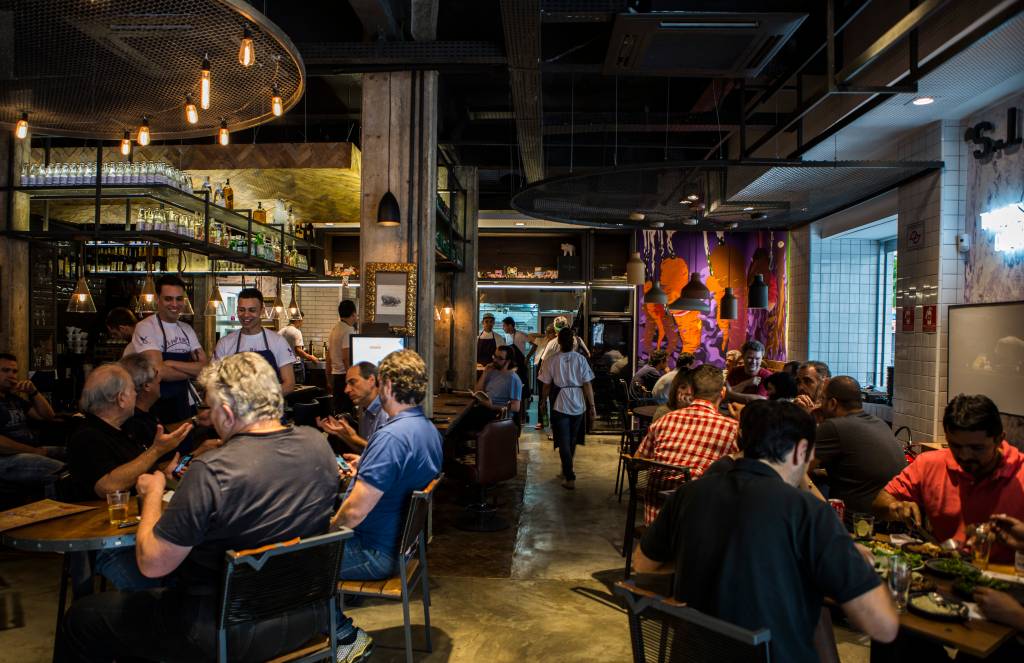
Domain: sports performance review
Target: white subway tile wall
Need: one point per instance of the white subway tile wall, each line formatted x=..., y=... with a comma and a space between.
x=319, y=306
x=799, y=293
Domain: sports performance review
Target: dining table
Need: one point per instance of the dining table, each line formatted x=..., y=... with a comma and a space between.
x=77, y=533
x=447, y=406
x=976, y=637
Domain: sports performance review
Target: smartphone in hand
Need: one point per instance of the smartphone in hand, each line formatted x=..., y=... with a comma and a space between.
x=343, y=464
x=179, y=469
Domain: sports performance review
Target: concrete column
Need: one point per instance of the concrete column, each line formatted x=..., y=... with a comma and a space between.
x=464, y=285
x=14, y=282
x=400, y=120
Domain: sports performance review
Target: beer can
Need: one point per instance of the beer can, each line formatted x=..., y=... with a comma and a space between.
x=840, y=508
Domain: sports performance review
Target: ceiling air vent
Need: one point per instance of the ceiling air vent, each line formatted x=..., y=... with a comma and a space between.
x=697, y=44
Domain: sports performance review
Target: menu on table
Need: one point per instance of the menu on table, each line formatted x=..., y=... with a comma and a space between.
x=38, y=512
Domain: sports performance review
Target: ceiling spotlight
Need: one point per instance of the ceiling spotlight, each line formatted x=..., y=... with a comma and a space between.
x=657, y=224
x=748, y=208
x=191, y=113
x=142, y=138
x=21, y=128
x=276, y=104
x=204, y=84
x=246, y=49
x=126, y=143
x=684, y=201
x=223, y=136
x=923, y=101
x=691, y=221
x=636, y=216
x=693, y=197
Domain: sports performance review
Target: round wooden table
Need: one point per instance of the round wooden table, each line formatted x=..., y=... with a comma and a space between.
x=645, y=411
x=89, y=530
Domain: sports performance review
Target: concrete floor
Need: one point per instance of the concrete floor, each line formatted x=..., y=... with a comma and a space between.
x=555, y=606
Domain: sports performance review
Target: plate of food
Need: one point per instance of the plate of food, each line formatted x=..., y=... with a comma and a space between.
x=920, y=583
x=926, y=550
x=933, y=605
x=951, y=567
x=883, y=551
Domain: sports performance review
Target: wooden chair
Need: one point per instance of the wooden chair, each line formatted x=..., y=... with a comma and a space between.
x=412, y=565
x=665, y=631
x=278, y=579
x=649, y=480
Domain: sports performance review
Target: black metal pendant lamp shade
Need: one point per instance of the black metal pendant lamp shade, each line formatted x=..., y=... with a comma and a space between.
x=728, y=306
x=388, y=211
x=694, y=296
x=757, y=294
x=656, y=295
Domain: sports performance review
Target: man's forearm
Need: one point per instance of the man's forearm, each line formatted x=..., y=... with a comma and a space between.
x=880, y=506
x=9, y=446
x=42, y=407
x=180, y=370
x=124, y=476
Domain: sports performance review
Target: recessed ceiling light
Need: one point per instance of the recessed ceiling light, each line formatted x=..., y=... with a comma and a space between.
x=923, y=101
x=748, y=208
x=692, y=196
x=328, y=224
x=690, y=221
x=636, y=216
x=684, y=201
x=520, y=223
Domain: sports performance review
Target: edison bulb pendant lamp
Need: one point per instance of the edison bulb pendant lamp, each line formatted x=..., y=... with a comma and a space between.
x=223, y=136
x=656, y=295
x=81, y=299
x=728, y=306
x=142, y=138
x=757, y=294
x=215, y=306
x=276, y=103
x=204, y=84
x=186, y=308
x=191, y=112
x=21, y=128
x=147, y=298
x=246, y=48
x=126, y=144
x=388, y=211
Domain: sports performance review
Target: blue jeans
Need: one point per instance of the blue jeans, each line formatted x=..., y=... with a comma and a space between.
x=565, y=428
x=118, y=565
x=361, y=563
x=29, y=468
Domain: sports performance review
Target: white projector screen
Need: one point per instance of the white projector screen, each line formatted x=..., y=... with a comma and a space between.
x=986, y=353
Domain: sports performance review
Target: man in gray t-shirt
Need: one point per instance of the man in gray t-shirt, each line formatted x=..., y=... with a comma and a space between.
x=856, y=449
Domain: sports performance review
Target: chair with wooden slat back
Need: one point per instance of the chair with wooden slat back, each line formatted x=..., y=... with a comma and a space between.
x=278, y=579
x=648, y=479
x=666, y=631
x=412, y=564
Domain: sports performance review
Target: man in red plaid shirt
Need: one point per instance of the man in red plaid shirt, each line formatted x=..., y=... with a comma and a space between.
x=694, y=436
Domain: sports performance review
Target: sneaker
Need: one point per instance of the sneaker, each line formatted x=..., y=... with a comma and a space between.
x=358, y=650
x=569, y=484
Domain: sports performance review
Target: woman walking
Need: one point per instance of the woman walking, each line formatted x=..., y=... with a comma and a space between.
x=566, y=376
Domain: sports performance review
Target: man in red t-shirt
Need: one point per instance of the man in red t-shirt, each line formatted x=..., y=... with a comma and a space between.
x=746, y=381
x=980, y=474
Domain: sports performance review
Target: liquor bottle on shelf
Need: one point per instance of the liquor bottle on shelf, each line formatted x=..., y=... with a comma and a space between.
x=218, y=194
x=229, y=195
x=310, y=234
x=289, y=225
x=259, y=214
x=207, y=186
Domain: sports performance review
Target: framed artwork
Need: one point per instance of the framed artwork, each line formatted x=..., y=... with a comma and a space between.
x=391, y=295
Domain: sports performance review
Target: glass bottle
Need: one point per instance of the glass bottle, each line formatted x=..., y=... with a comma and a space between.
x=229, y=195
x=259, y=214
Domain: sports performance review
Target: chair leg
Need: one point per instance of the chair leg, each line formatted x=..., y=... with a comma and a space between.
x=425, y=581
x=405, y=615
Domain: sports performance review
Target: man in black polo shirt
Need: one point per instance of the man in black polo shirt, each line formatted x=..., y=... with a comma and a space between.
x=268, y=483
x=749, y=547
x=142, y=425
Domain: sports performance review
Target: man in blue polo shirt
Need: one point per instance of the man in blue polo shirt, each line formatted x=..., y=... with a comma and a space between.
x=402, y=456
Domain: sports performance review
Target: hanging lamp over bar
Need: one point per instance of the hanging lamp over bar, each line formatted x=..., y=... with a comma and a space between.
x=656, y=295
x=81, y=299
x=635, y=270
x=694, y=296
x=388, y=211
x=728, y=306
x=757, y=294
x=215, y=305
x=294, y=310
x=147, y=298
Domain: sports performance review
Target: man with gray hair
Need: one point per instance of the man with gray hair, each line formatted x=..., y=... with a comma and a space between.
x=141, y=426
x=104, y=458
x=268, y=483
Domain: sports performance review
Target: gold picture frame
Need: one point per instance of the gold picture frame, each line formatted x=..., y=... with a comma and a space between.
x=391, y=295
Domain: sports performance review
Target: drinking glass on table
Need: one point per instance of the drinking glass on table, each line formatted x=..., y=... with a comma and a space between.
x=899, y=581
x=863, y=525
x=982, y=545
x=117, y=506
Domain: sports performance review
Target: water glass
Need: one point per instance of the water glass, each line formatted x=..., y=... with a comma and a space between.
x=117, y=506
x=899, y=582
x=982, y=546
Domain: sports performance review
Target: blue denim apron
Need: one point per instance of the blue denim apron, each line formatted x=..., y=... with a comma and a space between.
x=266, y=354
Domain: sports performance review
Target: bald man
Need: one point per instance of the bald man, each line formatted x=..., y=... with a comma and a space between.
x=857, y=449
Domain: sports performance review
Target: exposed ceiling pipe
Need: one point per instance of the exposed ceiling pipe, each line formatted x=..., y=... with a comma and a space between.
x=521, y=22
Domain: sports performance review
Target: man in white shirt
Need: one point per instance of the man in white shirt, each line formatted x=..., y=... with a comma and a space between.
x=252, y=337
x=292, y=333
x=561, y=322
x=174, y=349
x=338, y=355
x=517, y=338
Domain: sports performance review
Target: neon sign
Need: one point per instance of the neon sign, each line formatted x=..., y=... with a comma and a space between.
x=1006, y=224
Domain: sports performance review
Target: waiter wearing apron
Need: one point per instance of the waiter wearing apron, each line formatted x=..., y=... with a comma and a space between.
x=486, y=342
x=252, y=337
x=174, y=349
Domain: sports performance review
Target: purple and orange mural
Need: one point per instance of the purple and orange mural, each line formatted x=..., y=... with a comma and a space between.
x=723, y=260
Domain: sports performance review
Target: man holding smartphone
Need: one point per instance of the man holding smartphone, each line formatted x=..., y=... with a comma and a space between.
x=362, y=388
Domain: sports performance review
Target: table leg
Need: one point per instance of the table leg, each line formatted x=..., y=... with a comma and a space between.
x=62, y=596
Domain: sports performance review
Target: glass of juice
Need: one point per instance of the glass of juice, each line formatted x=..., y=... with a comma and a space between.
x=117, y=506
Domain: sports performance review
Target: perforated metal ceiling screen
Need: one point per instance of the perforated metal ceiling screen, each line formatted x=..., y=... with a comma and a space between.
x=94, y=69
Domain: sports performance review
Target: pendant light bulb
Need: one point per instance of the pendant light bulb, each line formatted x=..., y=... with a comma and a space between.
x=728, y=306
x=276, y=103
x=191, y=112
x=81, y=299
x=126, y=143
x=757, y=294
x=656, y=295
x=21, y=128
x=635, y=271
x=186, y=308
x=215, y=306
x=204, y=84
x=142, y=138
x=223, y=136
x=246, y=49
x=294, y=312
x=147, y=298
